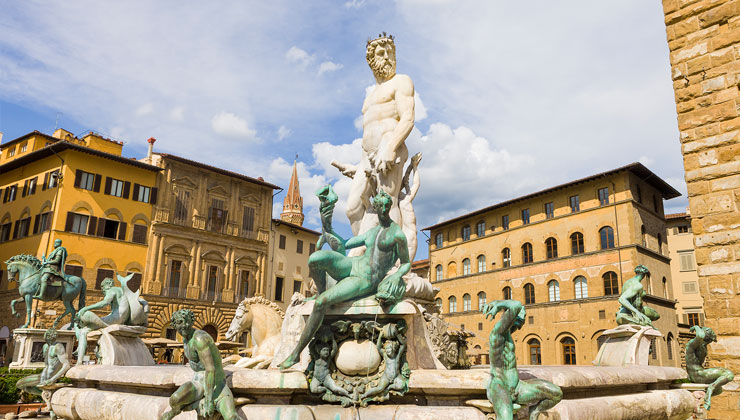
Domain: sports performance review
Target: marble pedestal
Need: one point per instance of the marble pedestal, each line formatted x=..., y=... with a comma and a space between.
x=29, y=347
x=121, y=345
x=626, y=345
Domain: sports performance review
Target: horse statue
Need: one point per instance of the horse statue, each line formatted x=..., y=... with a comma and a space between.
x=27, y=268
x=263, y=319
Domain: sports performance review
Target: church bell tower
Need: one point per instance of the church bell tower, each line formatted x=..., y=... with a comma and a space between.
x=293, y=203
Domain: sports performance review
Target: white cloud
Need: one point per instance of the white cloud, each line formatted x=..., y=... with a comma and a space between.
x=177, y=113
x=328, y=67
x=230, y=125
x=646, y=160
x=283, y=132
x=299, y=56
x=145, y=109
x=354, y=4
x=420, y=110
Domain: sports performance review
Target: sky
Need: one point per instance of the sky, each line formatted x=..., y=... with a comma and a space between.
x=511, y=97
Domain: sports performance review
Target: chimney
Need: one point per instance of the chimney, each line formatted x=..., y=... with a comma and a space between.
x=151, y=141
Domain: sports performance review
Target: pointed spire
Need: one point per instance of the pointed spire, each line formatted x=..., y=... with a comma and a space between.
x=293, y=202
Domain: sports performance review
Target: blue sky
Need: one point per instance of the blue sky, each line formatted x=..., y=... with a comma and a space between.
x=512, y=97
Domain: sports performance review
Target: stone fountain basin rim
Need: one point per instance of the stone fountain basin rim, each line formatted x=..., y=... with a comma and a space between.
x=428, y=381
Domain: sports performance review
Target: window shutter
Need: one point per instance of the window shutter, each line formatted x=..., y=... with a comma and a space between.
x=126, y=189
x=36, y=224
x=153, y=196
x=46, y=181
x=135, y=197
x=92, y=223
x=25, y=189
x=78, y=178
x=5, y=196
x=108, y=182
x=96, y=186
x=15, y=229
x=70, y=222
x=101, y=227
x=122, y=231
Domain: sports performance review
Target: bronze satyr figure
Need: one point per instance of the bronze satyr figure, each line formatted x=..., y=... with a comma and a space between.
x=696, y=352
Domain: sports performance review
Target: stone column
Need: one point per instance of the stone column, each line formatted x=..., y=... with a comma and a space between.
x=703, y=38
x=191, y=263
x=151, y=264
x=194, y=289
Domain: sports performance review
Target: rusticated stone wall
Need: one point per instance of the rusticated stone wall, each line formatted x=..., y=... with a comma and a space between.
x=704, y=42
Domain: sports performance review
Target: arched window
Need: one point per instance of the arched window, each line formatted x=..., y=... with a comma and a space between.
x=480, y=229
x=535, y=352
x=529, y=293
x=665, y=288
x=439, y=240
x=644, y=236
x=653, y=349
x=569, y=351
x=466, y=302
x=527, y=253
x=669, y=345
x=452, y=304
x=451, y=270
x=466, y=266
x=576, y=243
x=506, y=256
x=439, y=272
x=660, y=243
x=607, y=237
x=507, y=293
x=552, y=248
x=465, y=233
x=581, y=287
x=553, y=290
x=438, y=302
x=481, y=300
x=611, y=286
x=481, y=263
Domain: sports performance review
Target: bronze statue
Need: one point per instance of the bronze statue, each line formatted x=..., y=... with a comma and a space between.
x=696, y=352
x=52, y=267
x=208, y=392
x=633, y=310
x=358, y=276
x=33, y=275
x=505, y=391
x=55, y=366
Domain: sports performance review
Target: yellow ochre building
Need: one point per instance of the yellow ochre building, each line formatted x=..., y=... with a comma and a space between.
x=564, y=252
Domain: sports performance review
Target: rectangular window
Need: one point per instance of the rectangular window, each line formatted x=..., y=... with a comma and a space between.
x=247, y=221
x=22, y=228
x=139, y=235
x=85, y=180
x=480, y=229
x=279, y=289
x=281, y=243
x=602, y=314
x=297, y=286
x=116, y=187
x=182, y=204
x=32, y=185
x=108, y=228
x=53, y=178
x=690, y=287
x=311, y=248
x=244, y=291
x=217, y=216
x=79, y=223
x=24, y=147
x=73, y=270
x=466, y=233
x=575, y=204
x=10, y=194
x=693, y=319
x=11, y=152
x=103, y=274
x=525, y=216
x=603, y=196
x=43, y=223
x=175, y=274
x=549, y=210
x=5, y=232
x=299, y=246
x=683, y=229
x=142, y=193
x=505, y=222
x=212, y=282
x=687, y=260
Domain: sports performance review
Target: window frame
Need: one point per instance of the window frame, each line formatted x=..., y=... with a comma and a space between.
x=527, y=253
x=530, y=296
x=525, y=217
x=553, y=291
x=549, y=210
x=466, y=266
x=506, y=257
x=481, y=259
x=551, y=246
x=568, y=345
x=480, y=228
x=467, y=303
x=574, y=201
x=603, y=194
x=611, y=288
x=465, y=233
x=580, y=285
x=577, y=246
x=535, y=351
x=606, y=237
x=439, y=240
x=505, y=222
x=452, y=304
x=506, y=291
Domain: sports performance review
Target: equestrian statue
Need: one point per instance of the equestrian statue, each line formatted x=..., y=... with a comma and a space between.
x=45, y=280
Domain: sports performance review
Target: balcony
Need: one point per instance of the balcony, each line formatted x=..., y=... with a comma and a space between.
x=175, y=292
x=162, y=215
